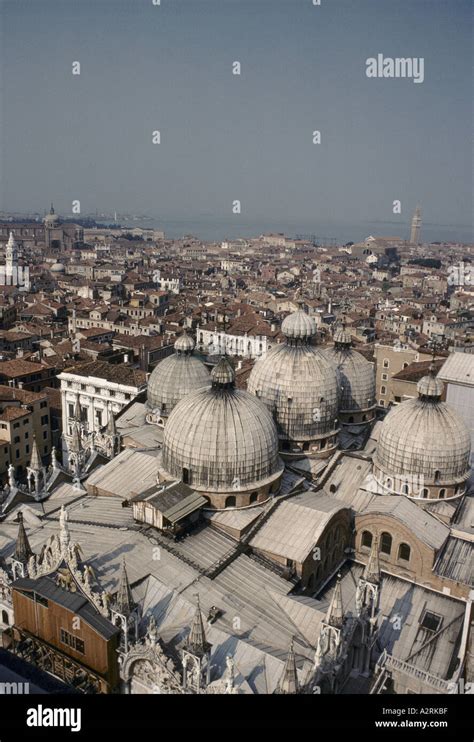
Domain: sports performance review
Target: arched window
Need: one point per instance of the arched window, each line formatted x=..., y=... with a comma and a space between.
x=351, y=419
x=405, y=489
x=388, y=483
x=385, y=543
x=437, y=475
x=442, y=493
x=366, y=539
x=332, y=488
x=425, y=492
x=404, y=552
x=230, y=501
x=4, y=617
x=253, y=497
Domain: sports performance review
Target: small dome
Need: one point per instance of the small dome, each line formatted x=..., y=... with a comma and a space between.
x=299, y=326
x=430, y=386
x=221, y=439
x=223, y=375
x=342, y=336
x=424, y=437
x=58, y=268
x=176, y=376
x=184, y=344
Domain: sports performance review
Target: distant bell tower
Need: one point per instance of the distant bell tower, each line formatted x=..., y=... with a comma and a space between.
x=11, y=254
x=416, y=226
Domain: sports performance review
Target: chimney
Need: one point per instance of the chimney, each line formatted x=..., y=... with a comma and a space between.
x=125, y=358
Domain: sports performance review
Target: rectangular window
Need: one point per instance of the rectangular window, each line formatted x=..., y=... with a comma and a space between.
x=431, y=621
x=383, y=390
x=45, y=420
x=70, y=410
x=16, y=439
x=72, y=641
x=43, y=405
x=384, y=377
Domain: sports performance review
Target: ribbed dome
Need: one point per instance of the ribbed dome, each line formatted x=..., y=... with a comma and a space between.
x=223, y=437
x=356, y=377
x=298, y=325
x=430, y=386
x=427, y=438
x=223, y=375
x=299, y=386
x=342, y=336
x=176, y=376
x=184, y=344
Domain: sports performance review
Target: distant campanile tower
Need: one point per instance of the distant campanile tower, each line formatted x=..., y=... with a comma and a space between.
x=416, y=226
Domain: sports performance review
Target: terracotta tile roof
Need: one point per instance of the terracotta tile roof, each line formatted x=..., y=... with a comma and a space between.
x=116, y=373
x=13, y=413
x=18, y=367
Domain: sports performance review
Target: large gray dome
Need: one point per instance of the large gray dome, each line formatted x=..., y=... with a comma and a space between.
x=221, y=439
x=176, y=376
x=424, y=437
x=298, y=385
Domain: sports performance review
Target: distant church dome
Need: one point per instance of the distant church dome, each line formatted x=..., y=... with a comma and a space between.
x=51, y=219
x=424, y=446
x=223, y=443
x=356, y=378
x=58, y=268
x=176, y=376
x=298, y=385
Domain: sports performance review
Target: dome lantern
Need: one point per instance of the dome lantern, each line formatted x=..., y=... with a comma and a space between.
x=223, y=375
x=298, y=327
x=430, y=388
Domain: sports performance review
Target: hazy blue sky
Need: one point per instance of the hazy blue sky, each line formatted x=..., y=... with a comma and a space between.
x=225, y=137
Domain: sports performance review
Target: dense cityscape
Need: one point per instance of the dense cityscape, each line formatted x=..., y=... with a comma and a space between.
x=236, y=367
x=236, y=467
